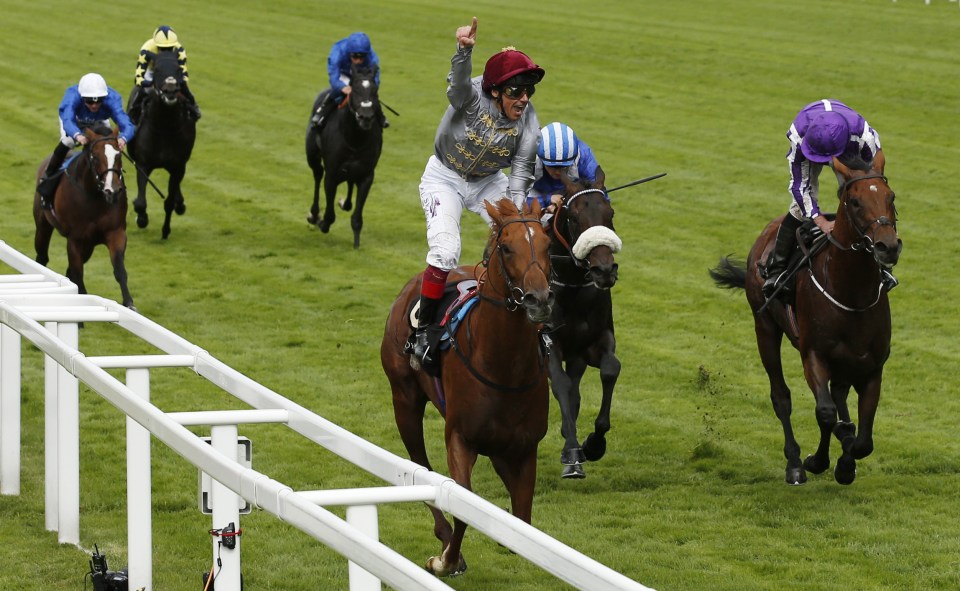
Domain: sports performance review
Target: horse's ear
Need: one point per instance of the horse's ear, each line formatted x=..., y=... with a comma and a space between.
x=534, y=208
x=841, y=169
x=494, y=212
x=878, y=162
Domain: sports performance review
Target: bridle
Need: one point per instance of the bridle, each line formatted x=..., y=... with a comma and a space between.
x=559, y=235
x=91, y=161
x=866, y=242
x=513, y=299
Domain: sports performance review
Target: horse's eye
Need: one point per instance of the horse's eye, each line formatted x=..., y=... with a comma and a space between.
x=505, y=250
x=854, y=202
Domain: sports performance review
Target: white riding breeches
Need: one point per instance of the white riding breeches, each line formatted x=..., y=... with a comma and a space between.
x=443, y=196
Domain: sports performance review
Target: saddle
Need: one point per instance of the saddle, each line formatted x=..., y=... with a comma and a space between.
x=458, y=298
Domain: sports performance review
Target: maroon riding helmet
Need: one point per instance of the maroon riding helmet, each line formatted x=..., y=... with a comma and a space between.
x=507, y=64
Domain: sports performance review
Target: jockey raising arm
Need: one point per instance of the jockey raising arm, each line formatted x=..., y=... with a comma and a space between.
x=490, y=125
x=163, y=39
x=561, y=152
x=346, y=53
x=83, y=105
x=821, y=131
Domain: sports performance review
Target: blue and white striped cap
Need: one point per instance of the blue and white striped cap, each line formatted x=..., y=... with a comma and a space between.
x=558, y=145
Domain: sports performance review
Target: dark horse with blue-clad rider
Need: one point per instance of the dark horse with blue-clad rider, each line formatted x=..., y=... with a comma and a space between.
x=583, y=271
x=492, y=384
x=347, y=148
x=838, y=318
x=88, y=207
x=165, y=138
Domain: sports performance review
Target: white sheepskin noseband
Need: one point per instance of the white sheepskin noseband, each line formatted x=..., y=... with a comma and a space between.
x=594, y=237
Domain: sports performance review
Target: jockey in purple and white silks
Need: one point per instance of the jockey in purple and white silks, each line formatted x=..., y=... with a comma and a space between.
x=821, y=131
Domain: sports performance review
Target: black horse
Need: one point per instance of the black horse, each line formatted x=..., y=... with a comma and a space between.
x=348, y=147
x=165, y=136
x=583, y=271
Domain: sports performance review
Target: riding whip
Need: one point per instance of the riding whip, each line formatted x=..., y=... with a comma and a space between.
x=389, y=108
x=649, y=178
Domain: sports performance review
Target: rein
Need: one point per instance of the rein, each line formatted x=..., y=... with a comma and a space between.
x=511, y=302
x=864, y=244
x=87, y=154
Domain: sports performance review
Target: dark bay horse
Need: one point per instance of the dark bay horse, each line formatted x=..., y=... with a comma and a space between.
x=89, y=208
x=165, y=136
x=492, y=391
x=839, y=321
x=583, y=271
x=348, y=149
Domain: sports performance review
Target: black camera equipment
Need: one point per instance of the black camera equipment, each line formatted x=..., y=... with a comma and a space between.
x=104, y=579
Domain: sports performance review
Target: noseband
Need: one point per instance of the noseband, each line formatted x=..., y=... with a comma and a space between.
x=866, y=242
x=565, y=204
x=514, y=296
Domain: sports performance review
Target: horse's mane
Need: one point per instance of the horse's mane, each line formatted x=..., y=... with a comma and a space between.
x=101, y=128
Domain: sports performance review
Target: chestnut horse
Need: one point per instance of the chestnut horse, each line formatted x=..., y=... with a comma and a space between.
x=89, y=208
x=582, y=272
x=166, y=133
x=492, y=390
x=348, y=149
x=839, y=321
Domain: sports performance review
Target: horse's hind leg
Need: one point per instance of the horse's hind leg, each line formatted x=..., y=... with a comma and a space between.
x=41, y=238
x=595, y=445
x=769, y=338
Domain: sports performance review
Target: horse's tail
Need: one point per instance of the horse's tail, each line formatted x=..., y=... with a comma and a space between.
x=730, y=274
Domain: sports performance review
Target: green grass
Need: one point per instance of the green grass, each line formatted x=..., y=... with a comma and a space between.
x=690, y=495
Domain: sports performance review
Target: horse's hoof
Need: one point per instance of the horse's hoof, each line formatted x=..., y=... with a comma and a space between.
x=312, y=220
x=795, y=476
x=181, y=208
x=574, y=472
x=594, y=447
x=435, y=566
x=142, y=220
x=346, y=205
x=324, y=226
x=572, y=456
x=846, y=470
x=813, y=466
x=843, y=430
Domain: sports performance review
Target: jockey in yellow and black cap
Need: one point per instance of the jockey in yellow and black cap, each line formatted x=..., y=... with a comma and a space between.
x=163, y=39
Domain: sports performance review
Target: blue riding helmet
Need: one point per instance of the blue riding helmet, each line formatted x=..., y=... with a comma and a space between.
x=358, y=43
x=558, y=145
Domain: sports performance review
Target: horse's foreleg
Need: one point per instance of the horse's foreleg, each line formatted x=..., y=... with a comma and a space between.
x=859, y=445
x=595, y=445
x=769, y=338
x=329, y=213
x=117, y=245
x=347, y=204
x=563, y=389
x=818, y=379
x=461, y=459
x=174, y=192
x=519, y=474
x=77, y=255
x=356, y=220
x=140, y=203
x=314, y=216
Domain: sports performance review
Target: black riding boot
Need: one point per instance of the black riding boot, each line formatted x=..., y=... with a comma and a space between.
x=48, y=183
x=780, y=257
x=427, y=335
x=191, y=101
x=135, y=104
x=324, y=110
x=382, y=117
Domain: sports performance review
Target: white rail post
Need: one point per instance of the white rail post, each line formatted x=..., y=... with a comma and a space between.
x=139, y=491
x=51, y=372
x=68, y=444
x=364, y=518
x=9, y=411
x=226, y=510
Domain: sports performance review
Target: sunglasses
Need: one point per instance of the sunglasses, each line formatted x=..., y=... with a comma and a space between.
x=515, y=92
x=358, y=56
x=93, y=100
